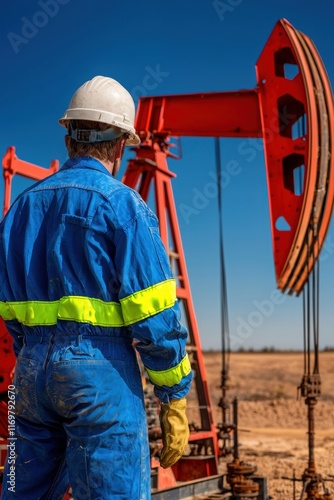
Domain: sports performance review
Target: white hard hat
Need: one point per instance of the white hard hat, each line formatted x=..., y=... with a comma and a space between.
x=104, y=100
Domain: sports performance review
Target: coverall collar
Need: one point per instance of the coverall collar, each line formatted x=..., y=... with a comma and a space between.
x=86, y=162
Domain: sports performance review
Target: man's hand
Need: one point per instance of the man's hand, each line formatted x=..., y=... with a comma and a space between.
x=175, y=431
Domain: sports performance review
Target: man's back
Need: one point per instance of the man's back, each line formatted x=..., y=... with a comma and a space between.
x=59, y=238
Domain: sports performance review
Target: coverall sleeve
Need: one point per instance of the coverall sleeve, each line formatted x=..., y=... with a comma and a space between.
x=150, y=308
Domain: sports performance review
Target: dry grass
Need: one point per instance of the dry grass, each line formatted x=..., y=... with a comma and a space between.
x=272, y=422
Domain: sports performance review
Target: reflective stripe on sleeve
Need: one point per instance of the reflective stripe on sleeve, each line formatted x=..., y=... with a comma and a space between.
x=150, y=301
x=172, y=376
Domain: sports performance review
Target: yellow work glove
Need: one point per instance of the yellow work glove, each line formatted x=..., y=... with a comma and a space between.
x=175, y=431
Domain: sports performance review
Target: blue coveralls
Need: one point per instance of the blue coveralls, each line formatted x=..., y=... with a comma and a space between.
x=83, y=273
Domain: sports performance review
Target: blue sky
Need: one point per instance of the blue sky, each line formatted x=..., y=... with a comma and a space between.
x=50, y=47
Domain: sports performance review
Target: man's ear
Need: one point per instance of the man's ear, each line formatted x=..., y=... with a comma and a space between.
x=119, y=148
x=67, y=141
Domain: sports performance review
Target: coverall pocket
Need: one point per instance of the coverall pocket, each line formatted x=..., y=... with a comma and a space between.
x=91, y=390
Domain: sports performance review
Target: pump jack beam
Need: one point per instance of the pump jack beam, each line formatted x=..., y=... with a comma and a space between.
x=214, y=114
x=273, y=111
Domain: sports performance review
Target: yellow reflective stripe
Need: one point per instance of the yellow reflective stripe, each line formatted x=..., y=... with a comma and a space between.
x=30, y=312
x=150, y=301
x=93, y=311
x=5, y=312
x=135, y=307
x=72, y=308
x=172, y=376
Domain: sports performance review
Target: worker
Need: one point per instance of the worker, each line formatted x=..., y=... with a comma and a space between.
x=85, y=284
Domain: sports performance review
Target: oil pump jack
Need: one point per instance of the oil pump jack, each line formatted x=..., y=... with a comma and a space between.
x=293, y=114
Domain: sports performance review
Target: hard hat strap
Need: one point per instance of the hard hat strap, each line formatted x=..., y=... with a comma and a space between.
x=91, y=135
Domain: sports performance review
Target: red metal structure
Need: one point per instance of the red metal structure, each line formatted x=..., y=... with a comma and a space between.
x=294, y=116
x=297, y=123
x=13, y=166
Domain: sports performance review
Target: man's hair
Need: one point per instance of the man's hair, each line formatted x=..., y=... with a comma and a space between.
x=100, y=150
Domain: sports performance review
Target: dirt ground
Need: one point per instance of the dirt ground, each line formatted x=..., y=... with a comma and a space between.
x=272, y=422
